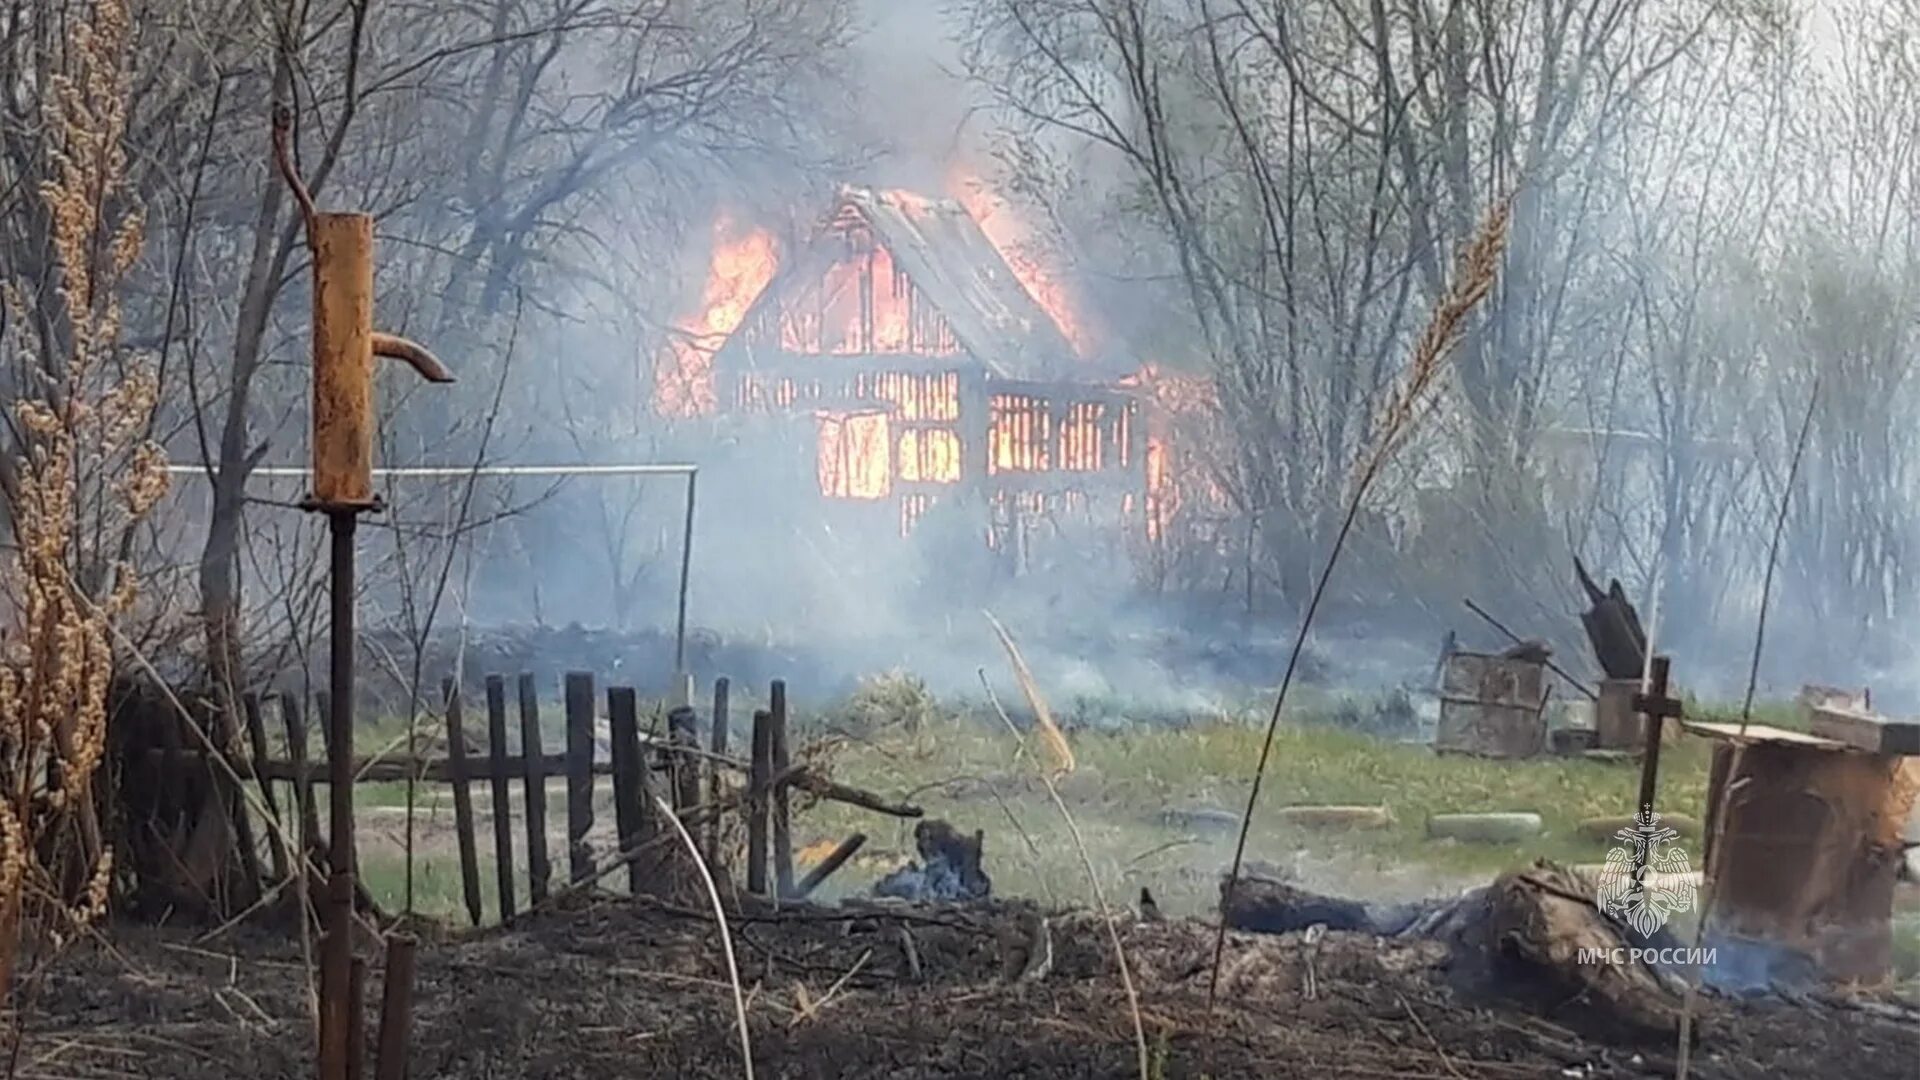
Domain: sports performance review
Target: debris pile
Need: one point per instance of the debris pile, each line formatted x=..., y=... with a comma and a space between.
x=948, y=870
x=1527, y=936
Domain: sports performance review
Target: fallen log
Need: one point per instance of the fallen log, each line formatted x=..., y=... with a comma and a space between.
x=1500, y=828
x=1336, y=817
x=1605, y=829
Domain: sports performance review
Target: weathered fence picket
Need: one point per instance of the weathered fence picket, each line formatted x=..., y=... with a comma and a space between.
x=683, y=757
x=630, y=798
x=759, y=773
x=296, y=728
x=502, y=790
x=462, y=800
x=716, y=832
x=694, y=778
x=532, y=755
x=579, y=702
x=257, y=745
x=782, y=817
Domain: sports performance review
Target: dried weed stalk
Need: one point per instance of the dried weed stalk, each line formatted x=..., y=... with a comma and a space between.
x=726, y=934
x=1392, y=424
x=87, y=475
x=1063, y=763
x=1717, y=813
x=1050, y=735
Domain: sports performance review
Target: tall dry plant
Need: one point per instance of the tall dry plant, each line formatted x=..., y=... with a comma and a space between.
x=87, y=476
x=1061, y=764
x=1392, y=424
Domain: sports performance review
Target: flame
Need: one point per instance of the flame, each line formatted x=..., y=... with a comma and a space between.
x=1173, y=398
x=1015, y=242
x=743, y=262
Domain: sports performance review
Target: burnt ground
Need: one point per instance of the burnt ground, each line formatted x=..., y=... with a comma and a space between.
x=624, y=988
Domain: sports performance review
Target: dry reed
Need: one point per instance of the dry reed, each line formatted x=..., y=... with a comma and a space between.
x=87, y=475
x=726, y=934
x=1050, y=736
x=1473, y=277
x=1716, y=814
x=1063, y=752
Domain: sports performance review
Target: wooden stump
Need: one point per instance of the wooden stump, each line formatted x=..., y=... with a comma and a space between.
x=1812, y=846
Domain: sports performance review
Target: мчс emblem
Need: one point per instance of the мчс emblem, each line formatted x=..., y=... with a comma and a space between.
x=1666, y=886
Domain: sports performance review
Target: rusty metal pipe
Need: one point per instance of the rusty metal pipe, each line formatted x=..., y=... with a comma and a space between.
x=337, y=950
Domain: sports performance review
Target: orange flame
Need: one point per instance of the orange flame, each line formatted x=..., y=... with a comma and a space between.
x=1016, y=244
x=739, y=271
x=1173, y=398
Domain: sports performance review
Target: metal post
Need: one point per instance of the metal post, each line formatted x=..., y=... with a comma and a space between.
x=686, y=566
x=337, y=951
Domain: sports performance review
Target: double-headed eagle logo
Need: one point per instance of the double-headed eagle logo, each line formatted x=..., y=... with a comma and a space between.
x=1645, y=900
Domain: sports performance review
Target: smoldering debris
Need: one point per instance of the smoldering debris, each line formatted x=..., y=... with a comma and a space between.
x=1526, y=935
x=949, y=869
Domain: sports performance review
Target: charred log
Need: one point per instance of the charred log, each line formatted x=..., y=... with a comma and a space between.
x=1263, y=901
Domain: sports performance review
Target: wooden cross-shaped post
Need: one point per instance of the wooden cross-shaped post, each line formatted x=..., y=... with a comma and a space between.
x=1655, y=706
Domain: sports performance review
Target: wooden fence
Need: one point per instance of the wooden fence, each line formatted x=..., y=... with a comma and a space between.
x=690, y=771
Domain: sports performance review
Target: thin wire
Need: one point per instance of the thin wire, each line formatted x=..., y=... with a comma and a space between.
x=443, y=471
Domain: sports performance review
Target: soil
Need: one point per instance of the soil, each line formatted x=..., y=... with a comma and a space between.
x=619, y=987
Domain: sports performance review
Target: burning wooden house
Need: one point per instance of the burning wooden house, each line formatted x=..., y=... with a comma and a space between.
x=924, y=369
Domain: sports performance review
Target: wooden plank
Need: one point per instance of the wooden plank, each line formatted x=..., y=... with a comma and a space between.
x=535, y=772
x=579, y=703
x=1865, y=730
x=760, y=771
x=302, y=778
x=257, y=746
x=498, y=775
x=716, y=860
x=462, y=800
x=782, y=806
x=629, y=778
x=1761, y=733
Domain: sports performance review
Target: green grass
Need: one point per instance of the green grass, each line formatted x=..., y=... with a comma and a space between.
x=1125, y=780
x=962, y=765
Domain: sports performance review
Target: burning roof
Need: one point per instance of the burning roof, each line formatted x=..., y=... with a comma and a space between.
x=990, y=305
x=948, y=255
